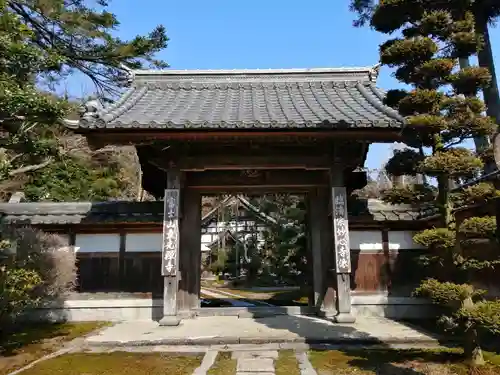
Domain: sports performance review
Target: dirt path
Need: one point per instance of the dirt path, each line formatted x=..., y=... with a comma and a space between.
x=234, y=295
x=223, y=296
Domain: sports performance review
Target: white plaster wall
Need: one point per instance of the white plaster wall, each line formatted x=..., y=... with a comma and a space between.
x=146, y=242
x=366, y=240
x=207, y=238
x=97, y=243
x=401, y=240
x=143, y=242
x=215, y=227
x=210, y=233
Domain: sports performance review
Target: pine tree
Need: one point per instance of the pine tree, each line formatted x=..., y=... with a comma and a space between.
x=41, y=43
x=485, y=12
x=286, y=242
x=441, y=111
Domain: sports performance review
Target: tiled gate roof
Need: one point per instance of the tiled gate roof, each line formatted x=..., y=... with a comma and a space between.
x=245, y=99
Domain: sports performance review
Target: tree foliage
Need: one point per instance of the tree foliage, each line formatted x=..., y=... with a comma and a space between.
x=285, y=244
x=34, y=267
x=475, y=194
x=479, y=227
x=79, y=36
x=442, y=110
x=484, y=12
x=75, y=179
x=41, y=44
x=410, y=194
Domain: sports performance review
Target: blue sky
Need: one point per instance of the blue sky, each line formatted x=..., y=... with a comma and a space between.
x=226, y=34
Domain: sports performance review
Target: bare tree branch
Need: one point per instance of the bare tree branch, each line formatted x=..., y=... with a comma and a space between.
x=30, y=168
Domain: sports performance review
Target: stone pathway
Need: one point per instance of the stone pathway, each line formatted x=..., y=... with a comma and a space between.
x=255, y=362
x=250, y=359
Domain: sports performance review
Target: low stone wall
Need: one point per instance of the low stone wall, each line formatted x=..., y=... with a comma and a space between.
x=391, y=307
x=135, y=309
x=119, y=309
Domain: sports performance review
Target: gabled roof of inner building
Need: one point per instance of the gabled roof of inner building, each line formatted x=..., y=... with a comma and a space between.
x=119, y=212
x=244, y=99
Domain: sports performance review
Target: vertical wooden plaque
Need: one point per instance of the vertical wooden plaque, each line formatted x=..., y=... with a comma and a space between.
x=170, y=248
x=341, y=230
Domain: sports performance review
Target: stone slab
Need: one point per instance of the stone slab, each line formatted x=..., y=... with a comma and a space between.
x=305, y=365
x=255, y=365
x=272, y=354
x=227, y=330
x=207, y=362
x=247, y=347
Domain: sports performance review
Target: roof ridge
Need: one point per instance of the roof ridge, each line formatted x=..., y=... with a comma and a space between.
x=174, y=72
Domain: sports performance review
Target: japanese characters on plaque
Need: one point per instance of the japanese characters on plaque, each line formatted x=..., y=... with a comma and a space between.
x=341, y=230
x=170, y=233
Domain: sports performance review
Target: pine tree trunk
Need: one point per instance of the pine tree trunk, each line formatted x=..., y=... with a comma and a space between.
x=481, y=142
x=485, y=59
x=472, y=350
x=444, y=200
x=491, y=94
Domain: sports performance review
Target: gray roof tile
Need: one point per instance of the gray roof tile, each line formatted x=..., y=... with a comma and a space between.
x=246, y=99
x=152, y=212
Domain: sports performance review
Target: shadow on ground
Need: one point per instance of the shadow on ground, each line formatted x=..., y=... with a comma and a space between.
x=354, y=347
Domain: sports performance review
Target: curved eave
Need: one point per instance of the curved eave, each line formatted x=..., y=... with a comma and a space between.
x=345, y=105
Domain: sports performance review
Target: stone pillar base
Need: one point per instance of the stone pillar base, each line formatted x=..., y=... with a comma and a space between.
x=169, y=321
x=344, y=318
x=326, y=313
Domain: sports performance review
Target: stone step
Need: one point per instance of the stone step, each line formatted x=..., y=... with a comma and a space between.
x=259, y=365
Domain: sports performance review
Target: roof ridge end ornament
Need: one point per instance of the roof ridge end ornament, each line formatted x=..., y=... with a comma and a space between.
x=89, y=111
x=374, y=72
x=129, y=73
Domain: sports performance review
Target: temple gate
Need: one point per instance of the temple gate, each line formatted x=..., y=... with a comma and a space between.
x=258, y=131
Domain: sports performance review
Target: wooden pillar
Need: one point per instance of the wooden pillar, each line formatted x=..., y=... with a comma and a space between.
x=71, y=237
x=311, y=301
x=195, y=235
x=170, y=249
x=320, y=232
x=190, y=252
x=342, y=248
x=121, y=261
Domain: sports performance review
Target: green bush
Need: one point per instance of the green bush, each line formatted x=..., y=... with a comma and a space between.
x=409, y=194
x=18, y=291
x=476, y=194
x=446, y=294
x=404, y=162
x=479, y=227
x=34, y=267
x=484, y=314
x=436, y=238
